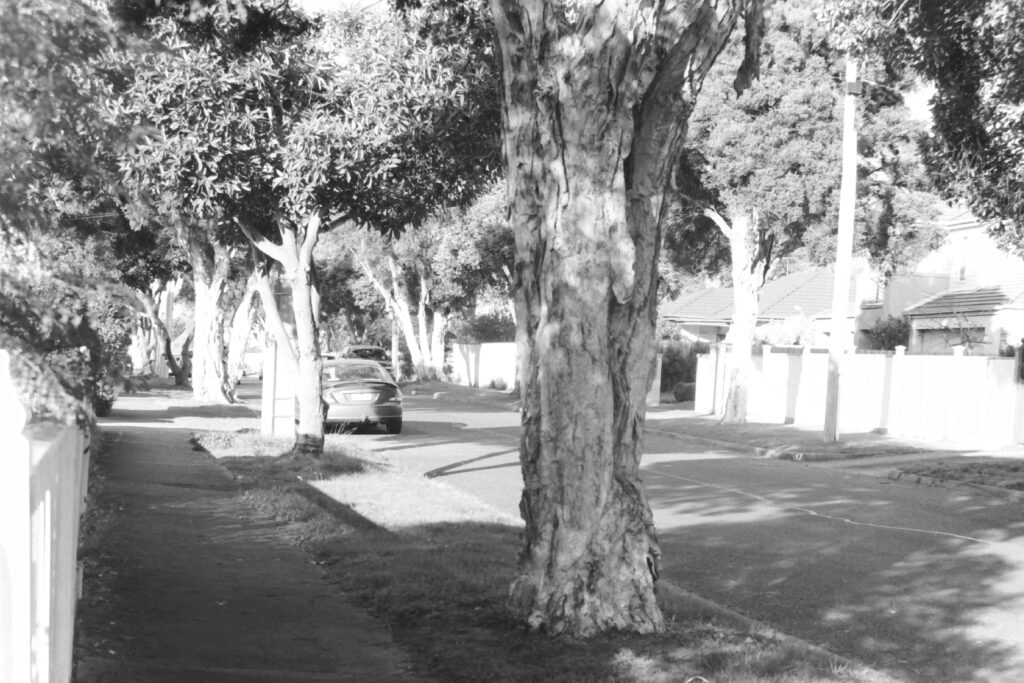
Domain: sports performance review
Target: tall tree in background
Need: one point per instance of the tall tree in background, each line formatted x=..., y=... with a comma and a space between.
x=596, y=98
x=762, y=168
x=760, y=178
x=428, y=275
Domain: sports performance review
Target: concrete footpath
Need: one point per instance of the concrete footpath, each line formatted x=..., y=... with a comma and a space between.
x=183, y=583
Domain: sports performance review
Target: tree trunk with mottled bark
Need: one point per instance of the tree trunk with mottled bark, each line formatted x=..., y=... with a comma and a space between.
x=594, y=117
x=211, y=264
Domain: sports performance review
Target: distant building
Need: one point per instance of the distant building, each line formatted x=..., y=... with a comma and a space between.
x=801, y=301
x=981, y=306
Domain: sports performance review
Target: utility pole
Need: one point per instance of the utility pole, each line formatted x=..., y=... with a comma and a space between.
x=844, y=253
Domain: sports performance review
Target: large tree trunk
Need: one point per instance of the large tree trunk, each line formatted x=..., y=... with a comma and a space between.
x=593, y=122
x=746, y=283
x=210, y=267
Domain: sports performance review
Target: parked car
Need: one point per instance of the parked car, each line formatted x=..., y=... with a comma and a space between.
x=360, y=392
x=369, y=352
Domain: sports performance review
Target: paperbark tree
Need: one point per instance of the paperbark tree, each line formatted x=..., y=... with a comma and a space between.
x=596, y=99
x=760, y=181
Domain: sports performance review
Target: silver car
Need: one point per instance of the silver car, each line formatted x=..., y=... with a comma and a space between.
x=361, y=392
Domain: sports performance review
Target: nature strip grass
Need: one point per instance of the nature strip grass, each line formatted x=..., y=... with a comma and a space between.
x=439, y=577
x=1005, y=473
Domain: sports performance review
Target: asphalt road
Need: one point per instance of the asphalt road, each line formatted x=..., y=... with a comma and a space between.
x=926, y=584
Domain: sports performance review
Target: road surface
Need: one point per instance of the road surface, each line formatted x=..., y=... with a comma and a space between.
x=925, y=583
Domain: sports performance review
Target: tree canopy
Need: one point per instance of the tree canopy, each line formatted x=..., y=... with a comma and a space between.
x=969, y=50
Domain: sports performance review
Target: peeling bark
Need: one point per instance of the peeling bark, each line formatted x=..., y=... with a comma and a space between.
x=594, y=117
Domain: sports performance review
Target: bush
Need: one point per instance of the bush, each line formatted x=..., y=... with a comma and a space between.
x=887, y=334
x=685, y=391
x=679, y=362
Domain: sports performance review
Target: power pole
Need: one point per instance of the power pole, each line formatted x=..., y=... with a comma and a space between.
x=844, y=253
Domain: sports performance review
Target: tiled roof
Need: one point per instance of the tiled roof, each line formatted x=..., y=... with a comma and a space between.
x=808, y=292
x=1008, y=295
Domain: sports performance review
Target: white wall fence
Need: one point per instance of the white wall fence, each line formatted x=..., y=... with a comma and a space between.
x=484, y=365
x=965, y=399
x=43, y=479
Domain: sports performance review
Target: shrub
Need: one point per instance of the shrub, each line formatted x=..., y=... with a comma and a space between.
x=887, y=334
x=685, y=391
x=679, y=362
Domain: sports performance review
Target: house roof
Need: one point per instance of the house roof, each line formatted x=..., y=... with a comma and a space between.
x=808, y=293
x=989, y=299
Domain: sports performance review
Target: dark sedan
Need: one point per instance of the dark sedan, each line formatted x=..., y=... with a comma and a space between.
x=361, y=392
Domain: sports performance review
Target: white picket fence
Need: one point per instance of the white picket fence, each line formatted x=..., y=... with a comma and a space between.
x=973, y=400
x=43, y=480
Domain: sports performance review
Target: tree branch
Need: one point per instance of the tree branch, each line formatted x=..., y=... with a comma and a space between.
x=719, y=221
x=274, y=251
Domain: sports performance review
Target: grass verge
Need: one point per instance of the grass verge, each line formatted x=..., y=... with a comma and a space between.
x=1007, y=473
x=438, y=574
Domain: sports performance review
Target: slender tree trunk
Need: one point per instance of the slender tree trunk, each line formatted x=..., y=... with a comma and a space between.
x=210, y=266
x=180, y=372
x=437, y=334
x=309, y=434
x=241, y=327
x=271, y=314
x=400, y=306
x=593, y=123
x=746, y=283
x=396, y=356
x=425, y=369
x=295, y=254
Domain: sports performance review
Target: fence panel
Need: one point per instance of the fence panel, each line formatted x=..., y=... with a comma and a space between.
x=975, y=400
x=43, y=475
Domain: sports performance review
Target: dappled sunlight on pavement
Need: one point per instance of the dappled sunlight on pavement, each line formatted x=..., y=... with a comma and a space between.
x=916, y=581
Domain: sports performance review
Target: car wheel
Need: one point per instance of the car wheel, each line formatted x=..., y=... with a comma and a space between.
x=394, y=426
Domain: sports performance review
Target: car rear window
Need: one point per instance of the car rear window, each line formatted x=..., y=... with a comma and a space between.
x=347, y=373
x=370, y=354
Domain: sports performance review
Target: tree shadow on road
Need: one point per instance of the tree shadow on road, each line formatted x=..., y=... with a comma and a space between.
x=928, y=601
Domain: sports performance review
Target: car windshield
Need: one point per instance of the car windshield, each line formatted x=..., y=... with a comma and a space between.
x=369, y=354
x=349, y=373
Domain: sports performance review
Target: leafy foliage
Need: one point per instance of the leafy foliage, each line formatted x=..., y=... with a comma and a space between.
x=679, y=362
x=889, y=333
x=970, y=51
x=67, y=331
x=486, y=327
x=777, y=148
